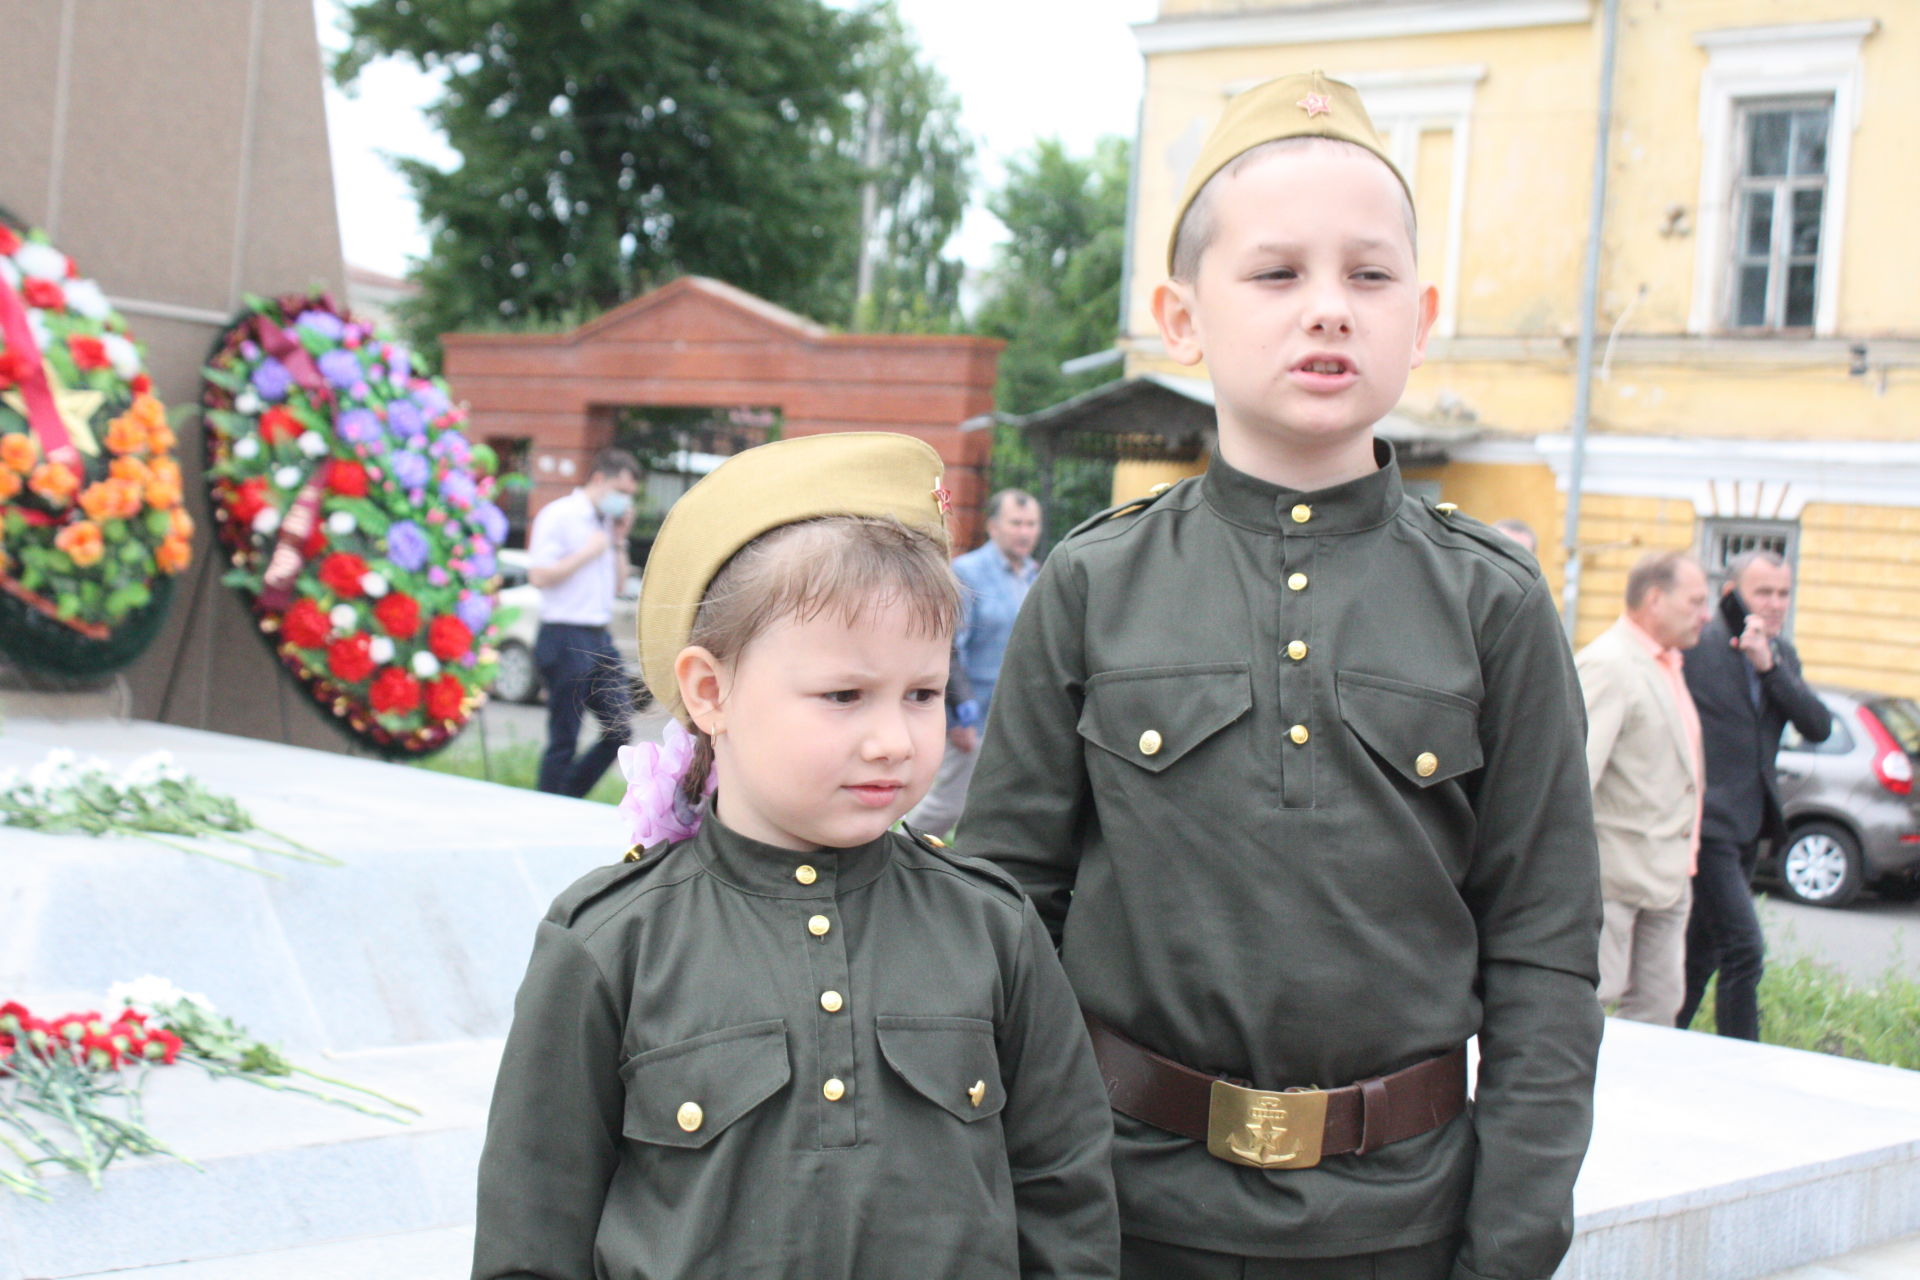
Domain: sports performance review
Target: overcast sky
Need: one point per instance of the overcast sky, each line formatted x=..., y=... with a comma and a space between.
x=1024, y=69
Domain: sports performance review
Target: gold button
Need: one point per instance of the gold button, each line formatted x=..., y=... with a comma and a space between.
x=1446, y=508
x=690, y=1116
x=1160, y=488
x=1426, y=764
x=1149, y=743
x=1302, y=513
x=830, y=1001
x=979, y=1092
x=1299, y=734
x=936, y=842
x=834, y=1089
x=1297, y=582
x=818, y=926
x=805, y=874
x=1297, y=649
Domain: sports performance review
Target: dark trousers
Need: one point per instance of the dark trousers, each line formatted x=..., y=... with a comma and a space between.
x=1723, y=933
x=582, y=672
x=1151, y=1260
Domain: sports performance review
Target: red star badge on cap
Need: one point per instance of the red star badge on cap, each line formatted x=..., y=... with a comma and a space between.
x=1315, y=104
x=943, y=498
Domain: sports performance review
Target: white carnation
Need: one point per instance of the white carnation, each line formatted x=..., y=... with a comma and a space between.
x=42, y=260
x=381, y=650
x=425, y=665
x=311, y=444
x=247, y=448
x=124, y=355
x=374, y=584
x=268, y=521
x=287, y=477
x=86, y=298
x=150, y=994
x=341, y=523
x=344, y=617
x=248, y=401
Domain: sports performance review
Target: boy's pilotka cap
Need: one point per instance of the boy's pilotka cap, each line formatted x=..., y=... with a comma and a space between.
x=1307, y=105
x=853, y=473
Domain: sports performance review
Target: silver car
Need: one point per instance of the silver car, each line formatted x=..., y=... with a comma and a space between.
x=1853, y=813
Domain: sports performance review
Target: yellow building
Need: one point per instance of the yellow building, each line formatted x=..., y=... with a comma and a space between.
x=1756, y=368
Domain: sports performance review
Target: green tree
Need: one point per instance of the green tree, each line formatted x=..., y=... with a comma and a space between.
x=1053, y=293
x=608, y=146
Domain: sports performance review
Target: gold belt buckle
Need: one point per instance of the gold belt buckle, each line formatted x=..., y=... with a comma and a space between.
x=1266, y=1130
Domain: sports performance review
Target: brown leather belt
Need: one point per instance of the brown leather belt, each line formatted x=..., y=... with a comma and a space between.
x=1289, y=1129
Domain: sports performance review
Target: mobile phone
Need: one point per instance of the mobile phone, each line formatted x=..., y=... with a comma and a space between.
x=1734, y=610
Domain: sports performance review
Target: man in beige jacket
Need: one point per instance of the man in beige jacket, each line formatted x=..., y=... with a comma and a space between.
x=1644, y=761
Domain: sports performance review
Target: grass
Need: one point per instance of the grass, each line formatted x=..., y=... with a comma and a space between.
x=1807, y=1004
x=514, y=763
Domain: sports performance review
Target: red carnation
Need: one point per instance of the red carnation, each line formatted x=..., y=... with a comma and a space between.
x=13, y=364
x=9, y=242
x=248, y=500
x=161, y=1044
x=347, y=478
x=276, y=424
x=305, y=626
x=88, y=353
x=350, y=659
x=445, y=697
x=342, y=573
x=93, y=1043
x=394, y=692
x=316, y=541
x=398, y=614
x=448, y=637
x=44, y=294
x=141, y=384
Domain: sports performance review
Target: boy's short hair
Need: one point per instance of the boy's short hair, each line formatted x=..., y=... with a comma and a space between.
x=1195, y=232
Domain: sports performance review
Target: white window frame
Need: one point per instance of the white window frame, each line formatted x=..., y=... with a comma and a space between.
x=1402, y=106
x=1758, y=63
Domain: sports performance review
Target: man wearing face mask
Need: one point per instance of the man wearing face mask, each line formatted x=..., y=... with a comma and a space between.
x=577, y=556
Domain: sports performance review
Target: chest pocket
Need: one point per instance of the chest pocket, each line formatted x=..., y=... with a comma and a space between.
x=951, y=1062
x=686, y=1094
x=1427, y=735
x=1154, y=716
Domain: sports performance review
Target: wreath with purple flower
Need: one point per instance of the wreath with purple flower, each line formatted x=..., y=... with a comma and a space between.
x=358, y=516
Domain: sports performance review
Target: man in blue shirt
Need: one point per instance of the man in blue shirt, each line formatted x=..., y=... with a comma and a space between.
x=996, y=577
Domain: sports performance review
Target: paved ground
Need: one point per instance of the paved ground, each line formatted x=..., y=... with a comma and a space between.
x=1863, y=941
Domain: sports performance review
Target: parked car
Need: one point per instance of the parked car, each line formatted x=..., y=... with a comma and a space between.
x=517, y=679
x=1853, y=816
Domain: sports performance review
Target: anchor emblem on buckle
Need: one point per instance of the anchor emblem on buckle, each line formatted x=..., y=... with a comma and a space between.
x=1266, y=1130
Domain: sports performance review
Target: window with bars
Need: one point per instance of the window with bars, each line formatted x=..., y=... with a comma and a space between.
x=1779, y=201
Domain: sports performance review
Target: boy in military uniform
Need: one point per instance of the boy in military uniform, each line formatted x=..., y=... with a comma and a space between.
x=785, y=1041
x=1292, y=765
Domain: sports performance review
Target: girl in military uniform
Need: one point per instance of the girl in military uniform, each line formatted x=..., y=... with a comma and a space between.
x=787, y=1040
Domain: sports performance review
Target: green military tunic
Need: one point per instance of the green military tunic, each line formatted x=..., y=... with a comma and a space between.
x=735, y=1060
x=1298, y=779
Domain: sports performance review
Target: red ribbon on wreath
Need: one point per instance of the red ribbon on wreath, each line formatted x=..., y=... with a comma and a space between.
x=283, y=568
x=30, y=370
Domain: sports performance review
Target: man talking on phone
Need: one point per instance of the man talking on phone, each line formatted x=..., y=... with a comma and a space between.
x=1746, y=684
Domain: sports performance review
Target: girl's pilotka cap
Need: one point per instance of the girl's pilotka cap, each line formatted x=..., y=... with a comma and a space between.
x=853, y=473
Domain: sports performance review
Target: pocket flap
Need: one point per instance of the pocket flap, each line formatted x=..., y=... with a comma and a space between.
x=1154, y=716
x=1427, y=734
x=682, y=1095
x=951, y=1062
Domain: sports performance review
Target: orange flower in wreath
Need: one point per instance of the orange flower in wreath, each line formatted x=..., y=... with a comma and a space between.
x=126, y=434
x=19, y=451
x=82, y=543
x=100, y=500
x=153, y=416
x=131, y=469
x=163, y=484
x=9, y=484
x=54, y=481
x=182, y=526
x=173, y=554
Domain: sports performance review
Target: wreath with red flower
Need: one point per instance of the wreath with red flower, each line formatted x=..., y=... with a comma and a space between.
x=91, y=526
x=359, y=518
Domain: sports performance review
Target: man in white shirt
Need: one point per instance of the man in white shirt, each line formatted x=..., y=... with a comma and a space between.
x=577, y=556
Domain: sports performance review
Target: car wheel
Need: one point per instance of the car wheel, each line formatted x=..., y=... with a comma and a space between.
x=516, y=679
x=1821, y=865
